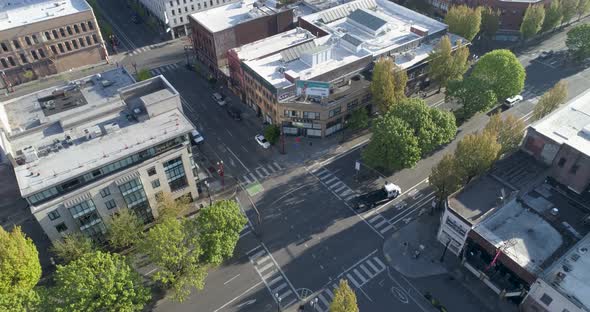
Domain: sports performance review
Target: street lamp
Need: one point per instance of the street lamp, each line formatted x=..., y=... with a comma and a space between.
x=220, y=171
x=208, y=192
x=278, y=302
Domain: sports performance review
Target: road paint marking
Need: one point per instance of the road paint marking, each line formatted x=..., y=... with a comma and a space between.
x=245, y=233
x=253, y=249
x=244, y=148
x=377, y=217
x=237, y=158
x=336, y=157
x=330, y=293
x=407, y=292
x=323, y=300
x=283, y=285
x=269, y=274
x=285, y=294
x=372, y=265
x=231, y=279
x=357, y=263
x=274, y=163
x=279, y=268
x=380, y=263
x=266, y=267
x=331, y=180
x=399, y=294
x=364, y=268
x=275, y=280
x=340, y=188
x=249, y=302
x=387, y=228
x=400, y=195
x=327, y=175
x=228, y=132
x=357, y=273
x=333, y=186
x=238, y=296
x=350, y=278
x=381, y=223
x=261, y=260
x=408, y=211
x=257, y=255
x=346, y=193
x=260, y=175
x=265, y=171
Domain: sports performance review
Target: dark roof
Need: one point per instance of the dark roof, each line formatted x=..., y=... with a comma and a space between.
x=368, y=19
x=352, y=40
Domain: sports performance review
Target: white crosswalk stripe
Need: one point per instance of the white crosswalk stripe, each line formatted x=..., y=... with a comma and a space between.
x=245, y=231
x=261, y=172
x=380, y=223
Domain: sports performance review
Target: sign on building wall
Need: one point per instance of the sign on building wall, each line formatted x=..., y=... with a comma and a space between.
x=312, y=88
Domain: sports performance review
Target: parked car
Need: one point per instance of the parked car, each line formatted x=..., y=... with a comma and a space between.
x=197, y=138
x=219, y=99
x=262, y=141
x=234, y=112
x=545, y=54
x=511, y=101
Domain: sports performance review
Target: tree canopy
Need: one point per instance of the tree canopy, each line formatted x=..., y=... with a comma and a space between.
x=143, y=74
x=501, y=71
x=445, y=65
x=388, y=84
x=578, y=41
x=173, y=246
x=464, y=21
x=475, y=154
x=473, y=94
x=583, y=8
x=393, y=145
x=20, y=270
x=73, y=247
x=219, y=227
x=445, y=177
x=552, y=16
x=568, y=10
x=359, y=119
x=551, y=100
x=98, y=281
x=490, y=21
x=508, y=131
x=344, y=298
x=124, y=229
x=532, y=20
x=272, y=133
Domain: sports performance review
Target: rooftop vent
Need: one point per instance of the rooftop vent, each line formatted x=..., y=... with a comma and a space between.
x=92, y=132
x=554, y=211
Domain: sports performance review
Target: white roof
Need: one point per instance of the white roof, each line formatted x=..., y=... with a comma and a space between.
x=227, y=16
x=521, y=234
x=570, y=125
x=273, y=44
x=16, y=13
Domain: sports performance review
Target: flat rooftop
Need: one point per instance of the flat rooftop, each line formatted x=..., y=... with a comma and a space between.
x=228, y=16
x=16, y=13
x=569, y=125
x=117, y=118
x=570, y=275
x=521, y=234
x=273, y=44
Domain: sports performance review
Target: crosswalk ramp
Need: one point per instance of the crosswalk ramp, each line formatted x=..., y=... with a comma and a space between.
x=334, y=184
x=356, y=276
x=261, y=172
x=273, y=278
x=164, y=68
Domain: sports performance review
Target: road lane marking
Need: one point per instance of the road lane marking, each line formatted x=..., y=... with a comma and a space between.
x=279, y=268
x=350, y=278
x=357, y=273
x=241, y=163
x=400, y=195
x=231, y=279
x=237, y=297
x=229, y=133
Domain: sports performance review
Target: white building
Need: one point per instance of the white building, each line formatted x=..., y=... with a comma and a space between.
x=84, y=150
x=173, y=14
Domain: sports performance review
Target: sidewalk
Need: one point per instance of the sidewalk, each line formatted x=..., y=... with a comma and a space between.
x=448, y=282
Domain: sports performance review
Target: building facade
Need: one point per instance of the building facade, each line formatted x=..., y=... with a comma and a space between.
x=40, y=38
x=83, y=151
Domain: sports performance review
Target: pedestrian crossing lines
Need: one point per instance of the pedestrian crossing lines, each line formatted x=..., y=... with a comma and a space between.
x=529, y=95
x=273, y=278
x=261, y=172
x=245, y=231
x=381, y=224
x=164, y=68
x=357, y=276
x=140, y=50
x=334, y=184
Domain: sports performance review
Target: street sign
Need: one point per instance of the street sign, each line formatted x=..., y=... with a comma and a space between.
x=357, y=165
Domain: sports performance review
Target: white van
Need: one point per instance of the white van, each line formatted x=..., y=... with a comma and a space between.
x=511, y=101
x=197, y=137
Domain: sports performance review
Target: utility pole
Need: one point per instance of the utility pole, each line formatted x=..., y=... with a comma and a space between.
x=220, y=171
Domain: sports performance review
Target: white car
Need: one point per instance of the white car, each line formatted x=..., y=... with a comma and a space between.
x=219, y=99
x=197, y=137
x=511, y=101
x=262, y=141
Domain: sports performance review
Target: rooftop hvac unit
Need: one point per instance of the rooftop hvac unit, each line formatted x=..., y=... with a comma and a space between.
x=92, y=132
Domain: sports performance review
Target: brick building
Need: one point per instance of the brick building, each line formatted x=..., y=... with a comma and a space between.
x=40, y=38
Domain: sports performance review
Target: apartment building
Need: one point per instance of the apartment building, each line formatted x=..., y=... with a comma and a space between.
x=40, y=38
x=87, y=149
x=174, y=14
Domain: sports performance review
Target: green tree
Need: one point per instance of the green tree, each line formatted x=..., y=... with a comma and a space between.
x=124, y=229
x=432, y=127
x=173, y=247
x=219, y=227
x=464, y=21
x=272, y=133
x=583, y=8
x=388, y=84
x=508, y=131
x=501, y=71
x=551, y=100
x=578, y=41
x=444, y=177
x=344, y=299
x=475, y=154
x=359, y=119
x=98, y=281
x=473, y=95
x=143, y=74
x=490, y=21
x=393, y=145
x=532, y=20
x=20, y=271
x=168, y=207
x=445, y=65
x=552, y=16
x=73, y=247
x=568, y=10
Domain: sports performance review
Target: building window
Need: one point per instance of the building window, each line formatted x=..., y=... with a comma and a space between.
x=88, y=41
x=62, y=32
x=546, y=299
x=311, y=115
x=61, y=48
x=77, y=29
x=175, y=174
x=185, y=9
x=54, y=32
x=90, y=26
x=192, y=7
x=82, y=209
x=47, y=36
x=179, y=10
x=151, y=171
x=23, y=58
x=82, y=43
x=110, y=204
x=83, y=26
x=574, y=169
x=4, y=63
x=69, y=29
x=16, y=44
x=198, y=6
x=53, y=49
x=34, y=54
x=181, y=19
x=4, y=46
x=53, y=215
x=173, y=13
x=35, y=40
x=105, y=192
x=334, y=112
x=68, y=46
x=95, y=38
x=41, y=53
x=28, y=40
x=171, y=4
x=352, y=104
x=136, y=200
x=75, y=44
x=211, y=2
x=61, y=227
x=174, y=20
x=561, y=162
x=11, y=61
x=177, y=2
x=156, y=183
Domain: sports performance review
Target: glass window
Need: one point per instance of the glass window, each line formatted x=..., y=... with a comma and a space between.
x=181, y=19
x=4, y=46
x=11, y=61
x=61, y=227
x=53, y=49
x=35, y=40
x=61, y=48
x=311, y=115
x=151, y=171
x=156, y=183
x=83, y=26
x=41, y=52
x=105, y=192
x=173, y=13
x=136, y=199
x=90, y=26
x=28, y=40
x=16, y=44
x=110, y=204
x=34, y=54
x=75, y=44
x=4, y=63
x=68, y=46
x=23, y=58
x=88, y=41
x=546, y=299
x=54, y=32
x=62, y=32
x=69, y=29
x=171, y=4
x=82, y=43
x=95, y=38
x=334, y=112
x=53, y=215
x=76, y=29
x=175, y=174
x=47, y=36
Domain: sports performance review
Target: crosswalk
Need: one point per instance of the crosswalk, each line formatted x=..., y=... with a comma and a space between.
x=381, y=224
x=164, y=68
x=261, y=172
x=357, y=276
x=245, y=231
x=140, y=50
x=273, y=278
x=529, y=95
x=334, y=184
